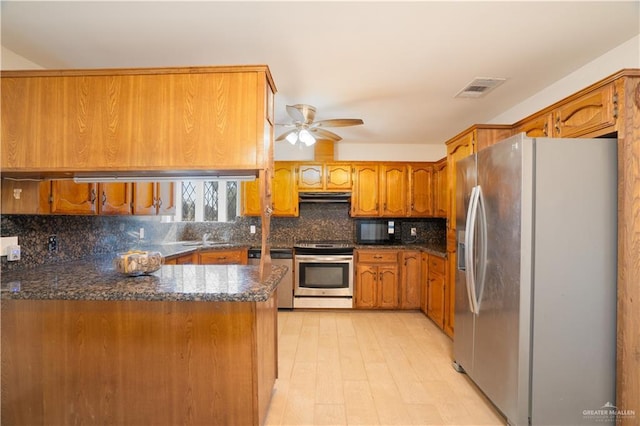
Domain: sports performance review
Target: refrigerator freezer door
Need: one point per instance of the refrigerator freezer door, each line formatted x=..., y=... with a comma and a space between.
x=497, y=337
x=463, y=337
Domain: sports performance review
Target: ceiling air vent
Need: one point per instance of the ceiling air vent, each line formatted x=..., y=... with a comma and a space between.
x=479, y=87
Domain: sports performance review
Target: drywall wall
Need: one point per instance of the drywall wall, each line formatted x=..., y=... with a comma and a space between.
x=626, y=55
x=10, y=60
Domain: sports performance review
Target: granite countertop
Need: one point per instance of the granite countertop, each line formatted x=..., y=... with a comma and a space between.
x=95, y=278
x=436, y=250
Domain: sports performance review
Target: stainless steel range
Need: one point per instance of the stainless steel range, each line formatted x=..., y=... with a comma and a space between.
x=323, y=274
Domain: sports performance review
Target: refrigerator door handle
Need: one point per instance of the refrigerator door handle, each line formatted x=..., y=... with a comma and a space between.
x=479, y=274
x=469, y=249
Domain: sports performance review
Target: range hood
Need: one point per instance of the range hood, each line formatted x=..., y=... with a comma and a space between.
x=324, y=197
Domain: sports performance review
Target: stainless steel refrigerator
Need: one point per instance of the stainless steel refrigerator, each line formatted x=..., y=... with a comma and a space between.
x=535, y=305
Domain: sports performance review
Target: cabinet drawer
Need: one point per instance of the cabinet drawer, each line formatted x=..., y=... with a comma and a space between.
x=436, y=265
x=378, y=256
x=222, y=257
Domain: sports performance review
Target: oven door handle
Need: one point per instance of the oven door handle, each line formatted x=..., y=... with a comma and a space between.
x=324, y=259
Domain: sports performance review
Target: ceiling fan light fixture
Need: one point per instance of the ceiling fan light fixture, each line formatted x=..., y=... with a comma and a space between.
x=292, y=138
x=306, y=137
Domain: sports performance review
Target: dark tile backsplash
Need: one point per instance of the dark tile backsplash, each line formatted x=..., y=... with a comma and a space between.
x=80, y=236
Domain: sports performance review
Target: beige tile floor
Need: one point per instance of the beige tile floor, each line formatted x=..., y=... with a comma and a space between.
x=370, y=368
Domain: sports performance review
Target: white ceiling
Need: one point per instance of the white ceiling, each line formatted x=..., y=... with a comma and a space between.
x=396, y=65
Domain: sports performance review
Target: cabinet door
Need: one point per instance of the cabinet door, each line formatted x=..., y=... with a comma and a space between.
x=310, y=176
x=440, y=190
x=25, y=197
x=366, y=285
x=250, y=198
x=540, y=126
x=591, y=112
x=388, y=286
x=410, y=285
x=68, y=197
x=420, y=190
x=284, y=192
x=364, y=199
x=393, y=190
x=144, y=198
x=456, y=150
x=115, y=198
x=338, y=176
x=435, y=307
x=450, y=295
x=166, y=198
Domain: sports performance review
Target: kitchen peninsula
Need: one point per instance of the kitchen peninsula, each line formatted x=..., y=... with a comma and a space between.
x=188, y=344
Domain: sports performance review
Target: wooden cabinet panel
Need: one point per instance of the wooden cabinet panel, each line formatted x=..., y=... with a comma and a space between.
x=538, y=126
x=284, y=190
x=440, y=189
x=424, y=282
x=250, y=198
x=223, y=257
x=115, y=198
x=366, y=286
x=393, y=190
x=135, y=119
x=311, y=176
x=436, y=290
x=364, y=199
x=410, y=279
x=588, y=113
x=68, y=197
x=154, y=198
x=25, y=197
x=388, y=286
x=421, y=193
x=338, y=176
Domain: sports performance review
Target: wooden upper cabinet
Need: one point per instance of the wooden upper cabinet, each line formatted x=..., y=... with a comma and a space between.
x=587, y=114
x=154, y=198
x=393, y=190
x=440, y=189
x=364, y=199
x=250, y=205
x=115, y=198
x=338, y=176
x=457, y=149
x=68, y=197
x=421, y=190
x=311, y=176
x=25, y=197
x=136, y=119
x=324, y=176
x=284, y=190
x=537, y=126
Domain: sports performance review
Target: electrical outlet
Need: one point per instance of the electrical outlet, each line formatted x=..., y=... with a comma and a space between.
x=52, y=242
x=141, y=233
x=414, y=232
x=252, y=229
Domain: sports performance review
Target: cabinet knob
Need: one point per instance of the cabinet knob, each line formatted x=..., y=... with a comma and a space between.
x=93, y=196
x=104, y=198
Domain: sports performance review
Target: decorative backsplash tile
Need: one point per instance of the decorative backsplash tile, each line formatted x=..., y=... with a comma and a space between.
x=80, y=236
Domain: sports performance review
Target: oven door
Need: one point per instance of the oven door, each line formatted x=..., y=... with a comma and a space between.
x=324, y=275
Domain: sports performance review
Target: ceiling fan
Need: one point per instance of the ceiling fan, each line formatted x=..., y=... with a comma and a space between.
x=308, y=131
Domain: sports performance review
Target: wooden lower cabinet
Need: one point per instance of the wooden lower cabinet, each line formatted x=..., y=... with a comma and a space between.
x=377, y=279
x=137, y=362
x=450, y=294
x=223, y=257
x=436, y=289
x=185, y=259
x=410, y=279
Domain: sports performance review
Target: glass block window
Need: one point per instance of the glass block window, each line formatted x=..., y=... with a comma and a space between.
x=210, y=201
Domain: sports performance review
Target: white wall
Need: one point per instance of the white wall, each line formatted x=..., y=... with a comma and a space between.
x=344, y=151
x=626, y=55
x=9, y=60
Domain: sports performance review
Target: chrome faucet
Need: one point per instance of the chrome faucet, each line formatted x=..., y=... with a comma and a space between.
x=205, y=238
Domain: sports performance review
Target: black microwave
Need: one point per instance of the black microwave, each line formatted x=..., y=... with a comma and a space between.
x=378, y=231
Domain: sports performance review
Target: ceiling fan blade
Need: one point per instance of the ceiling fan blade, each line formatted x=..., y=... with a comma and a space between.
x=301, y=113
x=324, y=134
x=285, y=134
x=338, y=122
